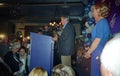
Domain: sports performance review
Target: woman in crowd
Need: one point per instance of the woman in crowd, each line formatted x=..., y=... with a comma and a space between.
x=12, y=59
x=63, y=70
x=24, y=59
x=100, y=35
x=38, y=71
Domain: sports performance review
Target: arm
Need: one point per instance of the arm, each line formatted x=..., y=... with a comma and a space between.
x=55, y=36
x=92, y=47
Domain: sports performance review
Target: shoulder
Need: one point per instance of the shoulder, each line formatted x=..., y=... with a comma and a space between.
x=102, y=23
x=9, y=54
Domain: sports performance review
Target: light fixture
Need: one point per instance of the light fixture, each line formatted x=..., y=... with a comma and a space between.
x=21, y=35
x=1, y=4
x=2, y=36
x=28, y=37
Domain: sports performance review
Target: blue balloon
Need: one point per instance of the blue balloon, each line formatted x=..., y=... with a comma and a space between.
x=87, y=9
x=86, y=15
x=93, y=2
x=89, y=35
x=89, y=6
x=83, y=32
x=91, y=21
x=88, y=43
x=86, y=39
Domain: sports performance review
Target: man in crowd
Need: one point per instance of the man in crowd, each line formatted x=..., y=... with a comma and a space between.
x=66, y=41
x=110, y=57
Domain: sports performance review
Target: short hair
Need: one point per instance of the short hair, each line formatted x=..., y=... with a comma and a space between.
x=103, y=9
x=22, y=47
x=66, y=17
x=16, y=45
x=38, y=71
x=110, y=56
x=62, y=70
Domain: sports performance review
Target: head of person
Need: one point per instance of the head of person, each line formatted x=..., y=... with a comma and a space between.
x=5, y=40
x=46, y=27
x=62, y=70
x=22, y=51
x=100, y=9
x=38, y=71
x=110, y=58
x=64, y=19
x=40, y=31
x=15, y=47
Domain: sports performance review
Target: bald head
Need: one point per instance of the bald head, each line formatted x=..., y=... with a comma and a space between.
x=110, y=57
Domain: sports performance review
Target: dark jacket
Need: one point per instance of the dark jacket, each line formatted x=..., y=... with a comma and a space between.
x=67, y=40
x=10, y=60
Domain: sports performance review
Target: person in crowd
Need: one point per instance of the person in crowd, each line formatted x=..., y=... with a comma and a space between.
x=40, y=31
x=12, y=59
x=66, y=41
x=4, y=46
x=100, y=35
x=62, y=70
x=47, y=31
x=25, y=42
x=38, y=71
x=4, y=69
x=56, y=52
x=110, y=57
x=24, y=59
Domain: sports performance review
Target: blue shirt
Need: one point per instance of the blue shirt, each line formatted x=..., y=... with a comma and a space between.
x=102, y=31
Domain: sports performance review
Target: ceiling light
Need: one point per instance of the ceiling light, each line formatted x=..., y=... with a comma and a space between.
x=1, y=4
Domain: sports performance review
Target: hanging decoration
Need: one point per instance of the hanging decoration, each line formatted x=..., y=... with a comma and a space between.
x=89, y=24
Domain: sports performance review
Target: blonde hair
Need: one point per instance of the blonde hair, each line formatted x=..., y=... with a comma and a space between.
x=102, y=8
x=38, y=71
x=63, y=70
x=16, y=45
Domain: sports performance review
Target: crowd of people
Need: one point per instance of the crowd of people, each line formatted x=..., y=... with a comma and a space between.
x=15, y=58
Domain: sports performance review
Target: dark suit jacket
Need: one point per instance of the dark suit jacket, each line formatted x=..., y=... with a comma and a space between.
x=67, y=40
x=9, y=59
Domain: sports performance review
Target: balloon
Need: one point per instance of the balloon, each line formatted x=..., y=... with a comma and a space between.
x=86, y=24
x=89, y=35
x=86, y=39
x=89, y=6
x=87, y=9
x=88, y=43
x=90, y=14
x=89, y=28
x=86, y=15
x=91, y=21
x=93, y=2
x=83, y=32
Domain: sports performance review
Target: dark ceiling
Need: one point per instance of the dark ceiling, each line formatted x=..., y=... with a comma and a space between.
x=41, y=11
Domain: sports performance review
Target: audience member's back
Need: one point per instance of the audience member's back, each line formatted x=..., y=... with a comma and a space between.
x=63, y=70
x=4, y=69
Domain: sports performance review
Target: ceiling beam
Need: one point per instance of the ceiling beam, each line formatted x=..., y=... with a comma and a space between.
x=41, y=3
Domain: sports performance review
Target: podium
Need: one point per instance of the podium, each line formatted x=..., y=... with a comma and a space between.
x=41, y=53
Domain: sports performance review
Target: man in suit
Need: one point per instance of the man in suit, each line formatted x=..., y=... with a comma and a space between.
x=66, y=41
